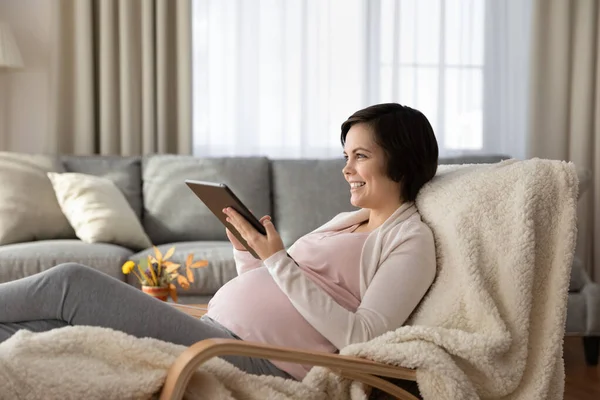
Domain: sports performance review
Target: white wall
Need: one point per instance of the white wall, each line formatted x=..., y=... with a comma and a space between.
x=24, y=93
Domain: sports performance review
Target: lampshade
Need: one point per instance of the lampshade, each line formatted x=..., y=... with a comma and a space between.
x=9, y=52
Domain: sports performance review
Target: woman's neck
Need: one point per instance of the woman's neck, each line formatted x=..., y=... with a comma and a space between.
x=378, y=216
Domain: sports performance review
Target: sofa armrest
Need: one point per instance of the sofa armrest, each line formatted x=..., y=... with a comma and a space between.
x=591, y=292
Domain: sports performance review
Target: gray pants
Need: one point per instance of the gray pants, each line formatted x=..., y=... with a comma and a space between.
x=73, y=294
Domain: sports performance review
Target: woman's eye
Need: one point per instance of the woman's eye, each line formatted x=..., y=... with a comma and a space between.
x=359, y=155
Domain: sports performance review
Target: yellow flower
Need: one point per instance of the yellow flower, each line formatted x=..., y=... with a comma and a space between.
x=158, y=271
x=128, y=267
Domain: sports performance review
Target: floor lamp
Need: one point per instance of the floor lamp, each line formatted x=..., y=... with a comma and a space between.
x=10, y=57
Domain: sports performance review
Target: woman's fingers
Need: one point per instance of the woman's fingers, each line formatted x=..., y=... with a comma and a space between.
x=264, y=245
x=235, y=219
x=270, y=228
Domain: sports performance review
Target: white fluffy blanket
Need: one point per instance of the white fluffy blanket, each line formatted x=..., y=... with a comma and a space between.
x=491, y=326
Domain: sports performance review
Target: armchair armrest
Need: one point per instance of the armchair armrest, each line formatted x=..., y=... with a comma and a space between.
x=355, y=368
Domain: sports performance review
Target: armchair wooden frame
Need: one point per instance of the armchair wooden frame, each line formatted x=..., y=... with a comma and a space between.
x=359, y=369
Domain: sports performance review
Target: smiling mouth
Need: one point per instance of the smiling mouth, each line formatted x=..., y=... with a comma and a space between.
x=357, y=186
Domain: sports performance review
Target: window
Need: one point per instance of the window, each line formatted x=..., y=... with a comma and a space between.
x=278, y=77
x=431, y=57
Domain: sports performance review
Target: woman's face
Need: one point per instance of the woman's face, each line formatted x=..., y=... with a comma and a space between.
x=370, y=187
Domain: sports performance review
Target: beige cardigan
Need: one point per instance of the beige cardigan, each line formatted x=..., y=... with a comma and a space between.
x=397, y=267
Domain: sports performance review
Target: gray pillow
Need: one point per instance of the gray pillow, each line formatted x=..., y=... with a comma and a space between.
x=173, y=213
x=306, y=194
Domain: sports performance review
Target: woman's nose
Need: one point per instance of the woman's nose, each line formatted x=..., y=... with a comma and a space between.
x=347, y=168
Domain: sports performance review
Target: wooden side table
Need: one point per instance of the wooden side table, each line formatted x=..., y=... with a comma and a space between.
x=195, y=310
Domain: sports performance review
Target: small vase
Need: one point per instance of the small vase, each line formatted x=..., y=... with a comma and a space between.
x=158, y=292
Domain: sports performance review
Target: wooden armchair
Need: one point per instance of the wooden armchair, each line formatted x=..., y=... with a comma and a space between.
x=518, y=206
x=354, y=368
x=358, y=369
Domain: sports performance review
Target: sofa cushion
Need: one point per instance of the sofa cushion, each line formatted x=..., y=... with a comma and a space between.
x=473, y=159
x=28, y=207
x=125, y=172
x=173, y=213
x=306, y=194
x=207, y=280
x=98, y=210
x=25, y=259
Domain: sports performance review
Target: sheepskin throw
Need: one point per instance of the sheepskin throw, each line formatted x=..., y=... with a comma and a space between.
x=490, y=327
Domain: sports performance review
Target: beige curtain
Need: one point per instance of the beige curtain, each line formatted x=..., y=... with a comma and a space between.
x=565, y=103
x=121, y=77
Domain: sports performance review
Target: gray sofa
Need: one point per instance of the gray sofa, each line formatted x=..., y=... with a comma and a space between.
x=299, y=195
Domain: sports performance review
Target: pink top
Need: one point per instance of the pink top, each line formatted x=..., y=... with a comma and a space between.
x=335, y=288
x=252, y=301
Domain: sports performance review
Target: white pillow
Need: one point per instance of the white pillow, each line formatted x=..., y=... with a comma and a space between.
x=98, y=210
x=28, y=207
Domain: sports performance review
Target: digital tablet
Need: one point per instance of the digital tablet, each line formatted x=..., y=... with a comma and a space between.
x=217, y=196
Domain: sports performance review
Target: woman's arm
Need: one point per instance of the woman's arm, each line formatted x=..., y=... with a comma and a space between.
x=400, y=283
x=244, y=261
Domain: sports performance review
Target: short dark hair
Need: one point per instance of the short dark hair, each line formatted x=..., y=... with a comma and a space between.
x=408, y=140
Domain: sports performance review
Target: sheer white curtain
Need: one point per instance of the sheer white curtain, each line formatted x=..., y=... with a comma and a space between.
x=508, y=36
x=278, y=77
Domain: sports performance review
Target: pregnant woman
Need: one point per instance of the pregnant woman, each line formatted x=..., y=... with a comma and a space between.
x=356, y=277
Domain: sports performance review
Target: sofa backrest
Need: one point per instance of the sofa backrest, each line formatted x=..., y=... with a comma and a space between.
x=300, y=194
x=308, y=193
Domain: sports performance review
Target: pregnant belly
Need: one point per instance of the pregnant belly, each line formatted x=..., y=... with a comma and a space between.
x=254, y=308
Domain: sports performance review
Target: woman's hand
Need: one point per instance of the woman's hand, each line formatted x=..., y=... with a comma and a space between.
x=264, y=245
x=235, y=242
